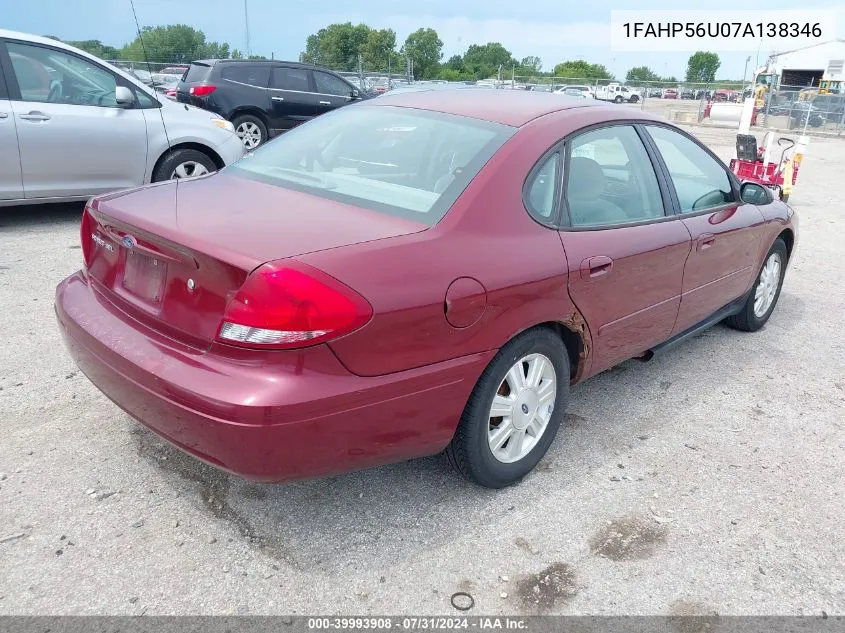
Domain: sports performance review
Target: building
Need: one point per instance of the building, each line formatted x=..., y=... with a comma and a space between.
x=809, y=65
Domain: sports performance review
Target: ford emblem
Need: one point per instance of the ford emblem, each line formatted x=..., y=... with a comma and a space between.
x=128, y=241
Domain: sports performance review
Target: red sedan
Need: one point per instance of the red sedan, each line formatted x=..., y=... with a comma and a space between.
x=424, y=272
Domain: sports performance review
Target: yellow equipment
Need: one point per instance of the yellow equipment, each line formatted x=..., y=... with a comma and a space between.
x=827, y=86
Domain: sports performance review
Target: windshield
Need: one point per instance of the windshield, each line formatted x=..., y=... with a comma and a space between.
x=405, y=162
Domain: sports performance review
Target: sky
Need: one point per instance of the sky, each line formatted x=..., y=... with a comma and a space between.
x=554, y=30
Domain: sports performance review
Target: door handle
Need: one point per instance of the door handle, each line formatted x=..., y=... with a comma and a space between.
x=597, y=266
x=34, y=116
x=4, y=115
x=325, y=102
x=277, y=98
x=705, y=241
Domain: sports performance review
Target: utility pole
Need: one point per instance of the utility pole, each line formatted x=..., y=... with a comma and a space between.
x=360, y=69
x=246, y=29
x=745, y=72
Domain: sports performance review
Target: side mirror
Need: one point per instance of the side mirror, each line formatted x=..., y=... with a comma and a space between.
x=124, y=97
x=355, y=93
x=752, y=193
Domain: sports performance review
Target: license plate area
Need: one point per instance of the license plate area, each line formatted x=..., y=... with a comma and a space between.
x=144, y=277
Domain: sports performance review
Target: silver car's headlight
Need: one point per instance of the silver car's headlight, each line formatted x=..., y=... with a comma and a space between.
x=223, y=123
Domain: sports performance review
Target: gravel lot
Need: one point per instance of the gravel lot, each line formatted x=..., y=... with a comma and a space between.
x=709, y=480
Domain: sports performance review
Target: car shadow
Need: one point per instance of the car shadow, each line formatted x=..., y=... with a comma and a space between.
x=39, y=215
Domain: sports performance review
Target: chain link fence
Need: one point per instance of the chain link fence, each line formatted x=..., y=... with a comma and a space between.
x=785, y=108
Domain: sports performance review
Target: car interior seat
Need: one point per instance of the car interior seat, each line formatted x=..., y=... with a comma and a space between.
x=586, y=184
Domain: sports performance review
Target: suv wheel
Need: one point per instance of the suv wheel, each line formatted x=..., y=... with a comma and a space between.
x=184, y=163
x=251, y=130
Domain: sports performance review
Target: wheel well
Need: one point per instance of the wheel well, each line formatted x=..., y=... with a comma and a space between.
x=214, y=156
x=789, y=239
x=252, y=112
x=573, y=342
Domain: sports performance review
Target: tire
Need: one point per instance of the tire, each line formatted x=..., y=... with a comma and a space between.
x=634, y=99
x=748, y=320
x=251, y=130
x=183, y=163
x=470, y=452
x=618, y=99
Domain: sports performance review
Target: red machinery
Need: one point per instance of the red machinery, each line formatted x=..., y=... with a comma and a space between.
x=757, y=164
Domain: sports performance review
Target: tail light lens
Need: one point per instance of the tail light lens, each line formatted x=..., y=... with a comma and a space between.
x=283, y=306
x=85, y=236
x=202, y=91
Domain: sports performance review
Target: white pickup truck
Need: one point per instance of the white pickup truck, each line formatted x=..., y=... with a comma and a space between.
x=618, y=93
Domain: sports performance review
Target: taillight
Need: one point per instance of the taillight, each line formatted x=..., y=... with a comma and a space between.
x=281, y=306
x=202, y=91
x=85, y=236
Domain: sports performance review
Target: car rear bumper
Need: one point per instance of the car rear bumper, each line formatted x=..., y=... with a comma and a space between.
x=268, y=416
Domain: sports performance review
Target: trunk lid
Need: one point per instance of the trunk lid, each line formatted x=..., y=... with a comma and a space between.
x=173, y=255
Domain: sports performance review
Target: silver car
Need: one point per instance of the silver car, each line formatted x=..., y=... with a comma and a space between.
x=72, y=126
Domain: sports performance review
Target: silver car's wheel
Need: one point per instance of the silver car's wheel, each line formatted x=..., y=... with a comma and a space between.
x=767, y=287
x=250, y=134
x=522, y=408
x=189, y=169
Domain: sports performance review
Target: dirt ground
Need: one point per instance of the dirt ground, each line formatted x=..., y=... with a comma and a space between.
x=708, y=480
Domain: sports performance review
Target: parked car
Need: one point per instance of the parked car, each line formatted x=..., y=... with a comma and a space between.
x=263, y=98
x=583, y=88
x=655, y=93
x=178, y=71
x=338, y=299
x=575, y=92
x=72, y=126
x=164, y=84
x=687, y=93
x=670, y=93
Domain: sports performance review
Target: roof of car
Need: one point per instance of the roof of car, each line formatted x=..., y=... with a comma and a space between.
x=509, y=107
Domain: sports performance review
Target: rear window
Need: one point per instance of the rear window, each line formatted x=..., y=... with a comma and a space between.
x=404, y=162
x=196, y=73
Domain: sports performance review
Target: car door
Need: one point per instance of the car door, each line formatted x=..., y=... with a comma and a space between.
x=725, y=232
x=332, y=92
x=11, y=186
x=624, y=246
x=73, y=137
x=292, y=98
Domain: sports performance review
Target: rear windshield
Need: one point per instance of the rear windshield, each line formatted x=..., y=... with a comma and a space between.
x=401, y=161
x=196, y=72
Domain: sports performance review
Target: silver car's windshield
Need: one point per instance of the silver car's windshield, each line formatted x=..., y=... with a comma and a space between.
x=402, y=161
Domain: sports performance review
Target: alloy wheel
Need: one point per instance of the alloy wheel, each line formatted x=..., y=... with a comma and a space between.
x=250, y=134
x=522, y=407
x=767, y=286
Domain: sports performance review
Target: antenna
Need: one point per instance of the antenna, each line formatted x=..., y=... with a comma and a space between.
x=147, y=60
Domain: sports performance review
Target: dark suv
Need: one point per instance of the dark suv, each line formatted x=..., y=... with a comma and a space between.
x=264, y=98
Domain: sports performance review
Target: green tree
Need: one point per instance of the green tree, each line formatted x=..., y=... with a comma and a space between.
x=172, y=44
x=642, y=73
x=702, y=67
x=531, y=63
x=379, y=50
x=455, y=62
x=580, y=69
x=337, y=46
x=425, y=49
x=96, y=48
x=483, y=60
